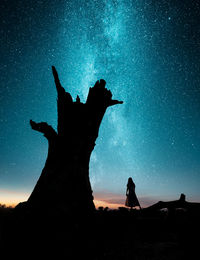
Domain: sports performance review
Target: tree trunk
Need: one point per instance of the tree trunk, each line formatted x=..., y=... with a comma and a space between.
x=64, y=182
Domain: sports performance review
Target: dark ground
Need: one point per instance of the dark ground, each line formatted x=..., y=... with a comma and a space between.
x=106, y=234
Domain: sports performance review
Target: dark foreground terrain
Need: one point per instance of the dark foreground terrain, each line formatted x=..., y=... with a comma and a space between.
x=105, y=234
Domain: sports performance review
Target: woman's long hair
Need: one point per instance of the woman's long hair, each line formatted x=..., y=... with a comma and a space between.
x=130, y=183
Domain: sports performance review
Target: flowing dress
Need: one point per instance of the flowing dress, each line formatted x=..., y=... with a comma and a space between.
x=131, y=200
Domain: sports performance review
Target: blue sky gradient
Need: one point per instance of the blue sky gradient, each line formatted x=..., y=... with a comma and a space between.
x=148, y=53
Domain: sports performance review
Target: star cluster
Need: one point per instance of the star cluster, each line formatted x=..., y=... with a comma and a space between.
x=147, y=51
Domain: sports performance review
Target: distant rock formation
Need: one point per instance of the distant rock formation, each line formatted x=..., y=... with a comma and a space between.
x=175, y=204
x=64, y=182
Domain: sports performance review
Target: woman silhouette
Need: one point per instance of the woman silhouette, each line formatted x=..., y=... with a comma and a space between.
x=131, y=199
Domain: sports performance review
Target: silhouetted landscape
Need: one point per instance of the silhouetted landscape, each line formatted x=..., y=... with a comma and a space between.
x=60, y=220
x=150, y=233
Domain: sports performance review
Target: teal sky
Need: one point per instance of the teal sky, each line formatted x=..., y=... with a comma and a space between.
x=148, y=53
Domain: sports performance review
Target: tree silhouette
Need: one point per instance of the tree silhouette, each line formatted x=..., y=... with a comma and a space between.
x=64, y=180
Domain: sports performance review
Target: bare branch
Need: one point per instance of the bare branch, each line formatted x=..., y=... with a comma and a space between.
x=44, y=128
x=57, y=81
x=115, y=102
x=62, y=94
x=101, y=96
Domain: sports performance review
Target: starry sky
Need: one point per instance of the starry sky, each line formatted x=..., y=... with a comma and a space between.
x=147, y=51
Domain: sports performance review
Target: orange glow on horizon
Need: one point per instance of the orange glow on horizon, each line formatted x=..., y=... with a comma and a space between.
x=101, y=199
x=101, y=203
x=115, y=200
x=12, y=198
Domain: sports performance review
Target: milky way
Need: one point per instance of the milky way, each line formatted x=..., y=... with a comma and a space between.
x=147, y=52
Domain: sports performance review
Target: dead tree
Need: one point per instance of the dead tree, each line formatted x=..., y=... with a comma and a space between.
x=64, y=182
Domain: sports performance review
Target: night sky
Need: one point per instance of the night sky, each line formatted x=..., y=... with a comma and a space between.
x=149, y=54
